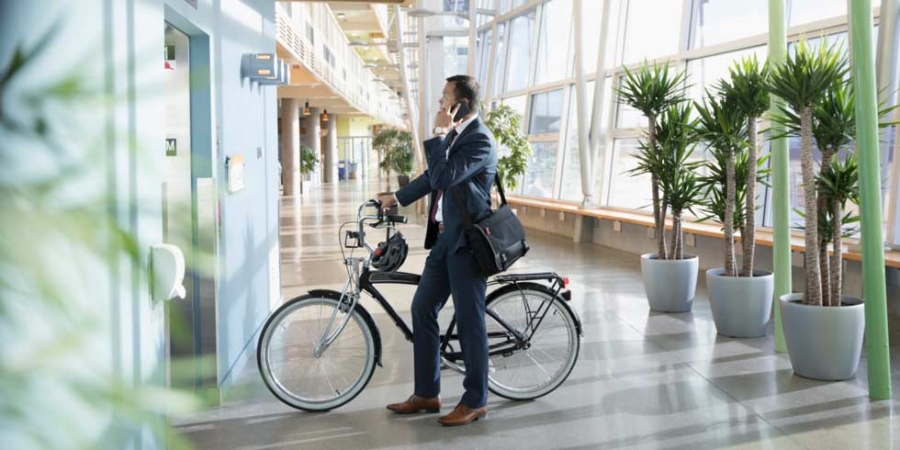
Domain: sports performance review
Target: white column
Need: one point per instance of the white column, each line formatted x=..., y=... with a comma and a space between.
x=330, y=166
x=584, y=151
x=599, y=91
x=290, y=146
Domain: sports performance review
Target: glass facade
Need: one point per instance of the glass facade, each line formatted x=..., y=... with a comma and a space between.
x=531, y=62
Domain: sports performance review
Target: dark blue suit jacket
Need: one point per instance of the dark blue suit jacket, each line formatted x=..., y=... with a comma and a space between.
x=470, y=168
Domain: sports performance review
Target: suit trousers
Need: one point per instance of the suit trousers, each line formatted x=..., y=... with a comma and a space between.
x=447, y=273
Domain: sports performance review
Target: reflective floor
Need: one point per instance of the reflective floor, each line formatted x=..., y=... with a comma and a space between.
x=643, y=380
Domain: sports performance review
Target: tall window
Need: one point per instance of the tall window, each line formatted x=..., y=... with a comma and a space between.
x=706, y=73
x=546, y=111
x=570, y=186
x=483, y=63
x=719, y=21
x=555, y=39
x=508, y=5
x=521, y=51
x=456, y=56
x=652, y=29
x=628, y=117
x=627, y=191
x=538, y=179
x=500, y=61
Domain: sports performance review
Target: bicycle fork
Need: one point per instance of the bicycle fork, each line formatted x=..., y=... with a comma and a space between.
x=328, y=337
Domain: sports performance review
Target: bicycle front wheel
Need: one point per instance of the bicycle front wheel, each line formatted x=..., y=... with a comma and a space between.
x=551, y=351
x=291, y=367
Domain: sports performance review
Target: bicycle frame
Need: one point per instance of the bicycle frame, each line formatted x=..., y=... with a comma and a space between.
x=367, y=280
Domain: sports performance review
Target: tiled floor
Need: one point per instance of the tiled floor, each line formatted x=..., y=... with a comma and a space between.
x=643, y=380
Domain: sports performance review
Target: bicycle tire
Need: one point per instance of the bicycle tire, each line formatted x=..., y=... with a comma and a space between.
x=278, y=388
x=495, y=385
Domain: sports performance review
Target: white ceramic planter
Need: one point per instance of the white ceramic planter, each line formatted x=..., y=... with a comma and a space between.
x=741, y=306
x=670, y=284
x=824, y=343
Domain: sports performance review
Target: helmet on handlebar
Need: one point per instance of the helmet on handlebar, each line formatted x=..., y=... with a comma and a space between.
x=390, y=255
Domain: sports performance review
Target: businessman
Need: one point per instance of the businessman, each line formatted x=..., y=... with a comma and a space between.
x=462, y=157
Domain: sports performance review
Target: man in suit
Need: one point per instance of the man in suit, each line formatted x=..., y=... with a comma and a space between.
x=462, y=157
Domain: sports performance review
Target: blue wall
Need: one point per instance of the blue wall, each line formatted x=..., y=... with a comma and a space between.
x=244, y=122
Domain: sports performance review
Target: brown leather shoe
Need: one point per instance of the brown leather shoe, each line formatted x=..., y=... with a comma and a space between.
x=462, y=415
x=416, y=404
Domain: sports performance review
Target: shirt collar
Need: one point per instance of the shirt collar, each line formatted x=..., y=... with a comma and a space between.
x=462, y=127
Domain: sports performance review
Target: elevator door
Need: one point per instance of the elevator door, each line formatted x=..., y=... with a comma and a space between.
x=178, y=221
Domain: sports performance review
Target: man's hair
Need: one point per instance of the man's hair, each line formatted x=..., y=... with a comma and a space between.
x=466, y=87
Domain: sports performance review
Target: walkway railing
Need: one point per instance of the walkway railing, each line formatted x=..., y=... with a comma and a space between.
x=312, y=35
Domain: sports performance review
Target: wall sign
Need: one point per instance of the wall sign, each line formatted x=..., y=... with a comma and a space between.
x=171, y=147
x=192, y=3
x=234, y=166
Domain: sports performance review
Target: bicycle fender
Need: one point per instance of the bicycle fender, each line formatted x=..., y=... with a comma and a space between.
x=537, y=287
x=376, y=334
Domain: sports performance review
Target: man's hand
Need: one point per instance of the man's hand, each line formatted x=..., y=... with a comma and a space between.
x=444, y=118
x=387, y=200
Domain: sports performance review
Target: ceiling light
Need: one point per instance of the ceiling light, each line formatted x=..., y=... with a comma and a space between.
x=306, y=109
x=325, y=116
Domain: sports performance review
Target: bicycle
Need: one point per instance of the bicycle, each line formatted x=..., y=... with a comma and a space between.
x=318, y=351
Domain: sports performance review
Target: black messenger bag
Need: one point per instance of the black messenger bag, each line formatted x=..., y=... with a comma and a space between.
x=498, y=240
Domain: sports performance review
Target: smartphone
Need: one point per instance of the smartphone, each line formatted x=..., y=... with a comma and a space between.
x=463, y=111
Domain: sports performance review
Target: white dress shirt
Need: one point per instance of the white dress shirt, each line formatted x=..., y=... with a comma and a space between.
x=439, y=215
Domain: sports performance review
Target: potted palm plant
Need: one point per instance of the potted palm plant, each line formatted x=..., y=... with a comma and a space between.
x=651, y=90
x=671, y=280
x=741, y=301
x=385, y=142
x=812, y=82
x=402, y=159
x=670, y=277
x=308, y=161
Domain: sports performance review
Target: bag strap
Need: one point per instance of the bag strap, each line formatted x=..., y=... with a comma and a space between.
x=464, y=213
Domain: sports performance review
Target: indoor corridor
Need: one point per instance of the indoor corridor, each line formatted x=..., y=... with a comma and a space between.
x=643, y=379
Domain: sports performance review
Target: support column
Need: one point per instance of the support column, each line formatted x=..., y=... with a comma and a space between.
x=584, y=151
x=290, y=146
x=875, y=290
x=597, y=110
x=781, y=187
x=330, y=161
x=313, y=137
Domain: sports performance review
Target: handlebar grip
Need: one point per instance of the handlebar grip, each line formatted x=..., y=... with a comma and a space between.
x=395, y=219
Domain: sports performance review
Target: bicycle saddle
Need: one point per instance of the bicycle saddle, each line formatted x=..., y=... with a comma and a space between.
x=391, y=254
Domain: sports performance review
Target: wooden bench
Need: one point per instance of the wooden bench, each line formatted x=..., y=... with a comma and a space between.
x=763, y=236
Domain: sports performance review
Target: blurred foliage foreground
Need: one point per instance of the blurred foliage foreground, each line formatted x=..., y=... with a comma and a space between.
x=67, y=273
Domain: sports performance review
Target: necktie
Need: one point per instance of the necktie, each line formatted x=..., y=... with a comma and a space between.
x=452, y=136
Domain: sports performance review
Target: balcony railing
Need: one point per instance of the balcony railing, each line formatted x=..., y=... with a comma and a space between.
x=312, y=35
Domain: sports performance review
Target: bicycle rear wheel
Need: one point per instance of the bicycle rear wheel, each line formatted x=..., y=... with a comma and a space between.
x=290, y=367
x=550, y=355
